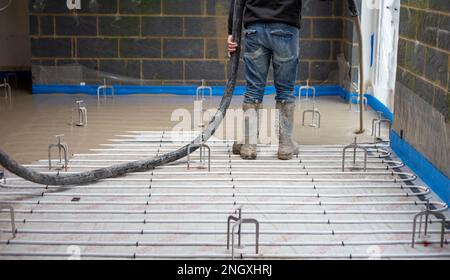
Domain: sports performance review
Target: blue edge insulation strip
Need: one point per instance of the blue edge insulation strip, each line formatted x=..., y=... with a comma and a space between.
x=414, y=159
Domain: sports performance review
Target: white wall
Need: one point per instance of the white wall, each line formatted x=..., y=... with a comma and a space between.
x=384, y=23
x=14, y=37
x=369, y=25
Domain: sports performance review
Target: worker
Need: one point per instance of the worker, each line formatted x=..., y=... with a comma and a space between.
x=272, y=30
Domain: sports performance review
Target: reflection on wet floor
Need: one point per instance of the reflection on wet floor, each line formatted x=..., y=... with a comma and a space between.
x=29, y=123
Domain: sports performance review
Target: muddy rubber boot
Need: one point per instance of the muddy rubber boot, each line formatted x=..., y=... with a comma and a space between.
x=287, y=146
x=247, y=150
x=237, y=149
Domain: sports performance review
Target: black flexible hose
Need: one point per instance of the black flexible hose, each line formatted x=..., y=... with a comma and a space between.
x=6, y=6
x=143, y=165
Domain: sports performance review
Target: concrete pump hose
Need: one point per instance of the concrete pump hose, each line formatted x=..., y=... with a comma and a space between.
x=5, y=6
x=143, y=165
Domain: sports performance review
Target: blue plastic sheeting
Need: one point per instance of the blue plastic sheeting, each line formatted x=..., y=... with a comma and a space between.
x=177, y=90
x=431, y=175
x=376, y=104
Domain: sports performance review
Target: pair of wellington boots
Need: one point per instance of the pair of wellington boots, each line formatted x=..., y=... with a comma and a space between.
x=287, y=146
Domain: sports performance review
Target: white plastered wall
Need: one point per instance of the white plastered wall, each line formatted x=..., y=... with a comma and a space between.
x=381, y=18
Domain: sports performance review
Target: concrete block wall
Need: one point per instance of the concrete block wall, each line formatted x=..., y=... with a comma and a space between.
x=350, y=43
x=422, y=99
x=15, y=44
x=167, y=42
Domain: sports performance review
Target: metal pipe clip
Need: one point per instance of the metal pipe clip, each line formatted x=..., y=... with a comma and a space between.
x=13, y=220
x=104, y=89
x=427, y=213
x=355, y=147
x=239, y=221
x=63, y=149
x=7, y=87
x=316, y=115
x=377, y=123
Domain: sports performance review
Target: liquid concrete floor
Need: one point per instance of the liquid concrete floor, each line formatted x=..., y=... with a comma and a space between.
x=29, y=123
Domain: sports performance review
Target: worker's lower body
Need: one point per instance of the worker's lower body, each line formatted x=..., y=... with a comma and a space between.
x=267, y=44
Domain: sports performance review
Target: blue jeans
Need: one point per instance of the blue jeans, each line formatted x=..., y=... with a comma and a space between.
x=267, y=43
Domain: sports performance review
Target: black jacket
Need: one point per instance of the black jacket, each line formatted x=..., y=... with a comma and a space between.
x=284, y=11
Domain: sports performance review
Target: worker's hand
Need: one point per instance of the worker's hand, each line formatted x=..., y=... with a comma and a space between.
x=232, y=46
